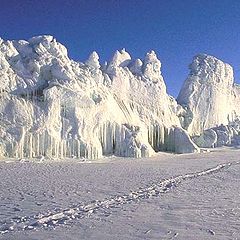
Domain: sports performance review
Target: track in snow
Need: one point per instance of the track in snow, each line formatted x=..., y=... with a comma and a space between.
x=103, y=208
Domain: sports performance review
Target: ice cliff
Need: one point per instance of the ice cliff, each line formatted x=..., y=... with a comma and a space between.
x=53, y=106
x=211, y=103
x=209, y=94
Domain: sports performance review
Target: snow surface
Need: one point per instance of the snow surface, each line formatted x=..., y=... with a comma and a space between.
x=168, y=196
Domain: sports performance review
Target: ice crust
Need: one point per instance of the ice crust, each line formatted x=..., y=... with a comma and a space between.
x=53, y=106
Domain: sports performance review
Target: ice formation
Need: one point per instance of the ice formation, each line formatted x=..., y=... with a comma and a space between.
x=53, y=106
x=56, y=107
x=210, y=99
x=209, y=95
x=222, y=135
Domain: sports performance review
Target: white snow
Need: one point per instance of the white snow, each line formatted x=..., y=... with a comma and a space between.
x=165, y=197
x=56, y=114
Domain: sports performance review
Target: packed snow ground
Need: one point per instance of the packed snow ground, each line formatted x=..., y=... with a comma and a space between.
x=194, y=196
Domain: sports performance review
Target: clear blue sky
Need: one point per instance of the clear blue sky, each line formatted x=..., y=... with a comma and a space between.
x=176, y=29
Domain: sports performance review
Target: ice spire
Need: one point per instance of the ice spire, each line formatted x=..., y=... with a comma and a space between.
x=120, y=59
x=151, y=66
x=93, y=60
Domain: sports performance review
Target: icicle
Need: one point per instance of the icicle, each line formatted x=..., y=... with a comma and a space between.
x=77, y=148
x=64, y=148
x=61, y=149
x=30, y=146
x=152, y=129
x=80, y=149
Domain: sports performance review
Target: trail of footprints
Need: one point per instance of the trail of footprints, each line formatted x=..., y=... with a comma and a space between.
x=102, y=208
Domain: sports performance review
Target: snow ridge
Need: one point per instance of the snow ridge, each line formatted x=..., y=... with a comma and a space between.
x=103, y=208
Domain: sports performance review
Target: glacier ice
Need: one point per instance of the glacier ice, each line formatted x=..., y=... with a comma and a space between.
x=210, y=101
x=51, y=105
x=209, y=95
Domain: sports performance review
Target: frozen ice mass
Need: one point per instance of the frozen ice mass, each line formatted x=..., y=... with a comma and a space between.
x=53, y=106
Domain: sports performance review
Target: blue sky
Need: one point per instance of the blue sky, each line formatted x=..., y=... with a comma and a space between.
x=176, y=29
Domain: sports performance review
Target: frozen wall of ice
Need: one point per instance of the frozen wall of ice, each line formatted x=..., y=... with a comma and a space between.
x=209, y=95
x=53, y=106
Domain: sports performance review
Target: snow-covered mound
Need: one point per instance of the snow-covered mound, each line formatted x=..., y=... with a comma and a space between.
x=53, y=106
x=222, y=135
x=209, y=95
